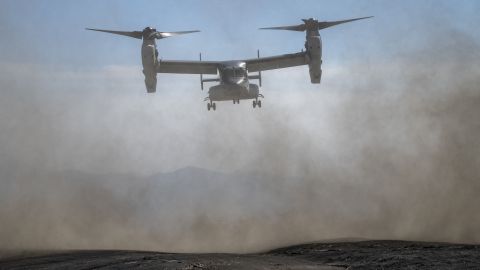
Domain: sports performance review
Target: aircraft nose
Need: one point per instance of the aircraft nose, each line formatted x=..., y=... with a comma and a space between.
x=237, y=80
x=240, y=80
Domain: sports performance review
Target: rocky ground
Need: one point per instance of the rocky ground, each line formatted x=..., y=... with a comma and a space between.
x=342, y=255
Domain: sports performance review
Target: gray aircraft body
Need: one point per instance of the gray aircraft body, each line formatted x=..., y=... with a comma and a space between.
x=233, y=76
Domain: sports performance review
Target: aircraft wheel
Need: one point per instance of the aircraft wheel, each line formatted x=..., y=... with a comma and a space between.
x=234, y=101
x=254, y=103
x=214, y=106
x=209, y=106
x=259, y=103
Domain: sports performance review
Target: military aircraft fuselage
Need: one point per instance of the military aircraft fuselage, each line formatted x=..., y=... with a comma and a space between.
x=233, y=76
x=234, y=83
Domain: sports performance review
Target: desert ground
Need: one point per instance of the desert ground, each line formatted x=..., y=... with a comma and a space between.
x=335, y=255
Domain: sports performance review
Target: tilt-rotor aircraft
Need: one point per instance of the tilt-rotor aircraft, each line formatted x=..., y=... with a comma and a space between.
x=234, y=75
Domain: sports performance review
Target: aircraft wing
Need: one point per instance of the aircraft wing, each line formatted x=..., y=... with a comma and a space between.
x=276, y=62
x=188, y=67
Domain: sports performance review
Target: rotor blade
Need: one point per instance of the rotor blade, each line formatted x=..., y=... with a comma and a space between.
x=300, y=28
x=171, y=34
x=323, y=25
x=133, y=34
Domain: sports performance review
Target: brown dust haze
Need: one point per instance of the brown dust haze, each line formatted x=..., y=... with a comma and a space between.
x=384, y=149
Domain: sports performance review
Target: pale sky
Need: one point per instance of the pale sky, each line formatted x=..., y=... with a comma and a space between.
x=75, y=99
x=387, y=146
x=52, y=31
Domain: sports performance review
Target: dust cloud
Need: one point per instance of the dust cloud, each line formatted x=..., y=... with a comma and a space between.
x=383, y=149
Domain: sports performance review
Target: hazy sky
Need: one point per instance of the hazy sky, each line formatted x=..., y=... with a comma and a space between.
x=52, y=32
x=74, y=99
x=387, y=146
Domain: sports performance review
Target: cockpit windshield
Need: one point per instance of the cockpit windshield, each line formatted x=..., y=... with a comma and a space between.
x=239, y=72
x=235, y=72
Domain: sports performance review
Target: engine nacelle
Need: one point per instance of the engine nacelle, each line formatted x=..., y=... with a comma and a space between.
x=149, y=62
x=314, y=49
x=150, y=81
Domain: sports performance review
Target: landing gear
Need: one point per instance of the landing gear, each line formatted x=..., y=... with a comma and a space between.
x=211, y=105
x=236, y=101
x=256, y=103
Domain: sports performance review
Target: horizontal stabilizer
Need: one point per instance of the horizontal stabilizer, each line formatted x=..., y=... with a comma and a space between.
x=211, y=80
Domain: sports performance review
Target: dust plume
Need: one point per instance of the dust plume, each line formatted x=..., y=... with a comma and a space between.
x=383, y=149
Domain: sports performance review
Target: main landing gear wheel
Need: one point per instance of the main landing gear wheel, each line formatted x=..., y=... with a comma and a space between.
x=212, y=106
x=236, y=101
x=256, y=103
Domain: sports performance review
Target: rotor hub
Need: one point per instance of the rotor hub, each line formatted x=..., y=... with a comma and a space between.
x=147, y=32
x=311, y=24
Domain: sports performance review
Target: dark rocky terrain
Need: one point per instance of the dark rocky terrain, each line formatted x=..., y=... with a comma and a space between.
x=341, y=255
x=388, y=255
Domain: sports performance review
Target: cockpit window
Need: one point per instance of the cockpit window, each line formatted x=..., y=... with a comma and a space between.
x=234, y=72
x=239, y=72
